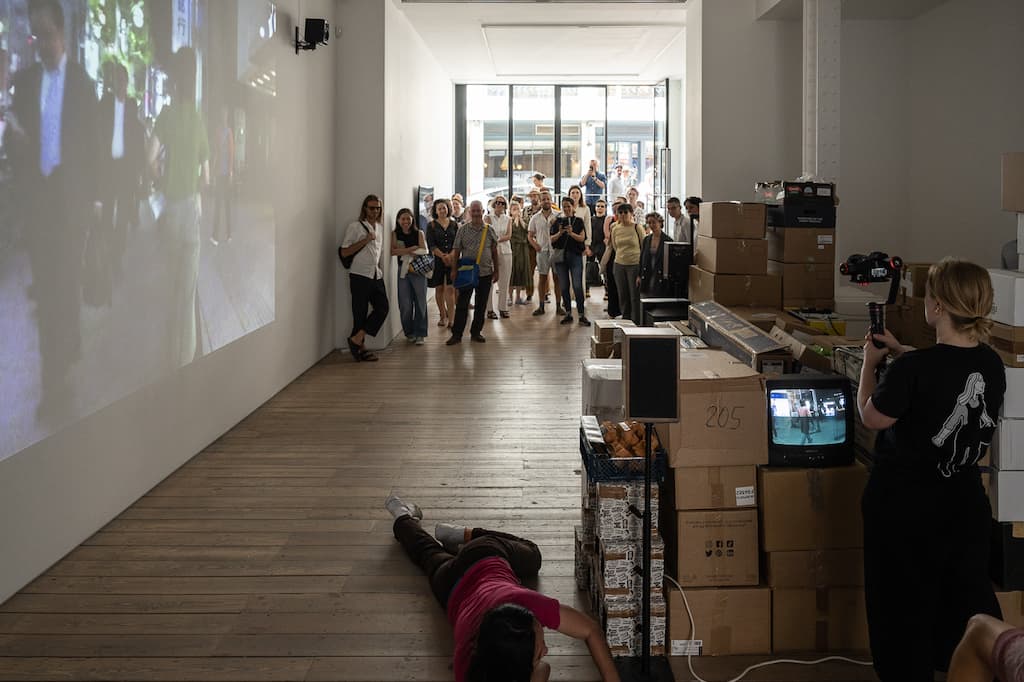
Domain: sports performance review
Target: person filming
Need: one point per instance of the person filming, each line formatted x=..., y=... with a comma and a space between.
x=926, y=516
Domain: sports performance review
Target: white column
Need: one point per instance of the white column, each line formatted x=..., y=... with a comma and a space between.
x=822, y=26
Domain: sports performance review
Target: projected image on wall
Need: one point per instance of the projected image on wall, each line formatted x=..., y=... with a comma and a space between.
x=808, y=417
x=137, y=224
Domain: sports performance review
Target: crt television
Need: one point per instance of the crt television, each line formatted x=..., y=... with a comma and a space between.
x=810, y=420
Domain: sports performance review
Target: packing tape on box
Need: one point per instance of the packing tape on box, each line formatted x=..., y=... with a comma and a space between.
x=815, y=490
x=1017, y=531
x=821, y=623
x=818, y=568
x=717, y=490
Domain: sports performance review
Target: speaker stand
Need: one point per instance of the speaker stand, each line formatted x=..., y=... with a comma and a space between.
x=646, y=668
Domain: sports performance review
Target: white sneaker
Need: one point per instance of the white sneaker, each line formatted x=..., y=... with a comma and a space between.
x=420, y=340
x=397, y=507
x=450, y=536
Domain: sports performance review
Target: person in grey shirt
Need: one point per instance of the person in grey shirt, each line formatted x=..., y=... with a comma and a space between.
x=467, y=243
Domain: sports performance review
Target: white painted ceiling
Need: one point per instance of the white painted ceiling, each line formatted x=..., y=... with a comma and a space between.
x=516, y=42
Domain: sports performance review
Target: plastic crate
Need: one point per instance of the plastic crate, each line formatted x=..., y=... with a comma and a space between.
x=602, y=468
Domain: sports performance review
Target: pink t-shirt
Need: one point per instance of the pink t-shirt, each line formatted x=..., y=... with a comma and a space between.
x=488, y=584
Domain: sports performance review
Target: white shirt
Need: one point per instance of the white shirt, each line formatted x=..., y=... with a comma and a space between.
x=583, y=213
x=680, y=228
x=117, y=143
x=616, y=188
x=501, y=226
x=540, y=228
x=367, y=261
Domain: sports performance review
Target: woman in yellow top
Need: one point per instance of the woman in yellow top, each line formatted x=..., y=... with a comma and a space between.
x=626, y=238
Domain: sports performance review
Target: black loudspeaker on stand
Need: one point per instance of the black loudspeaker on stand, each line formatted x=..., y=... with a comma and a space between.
x=650, y=395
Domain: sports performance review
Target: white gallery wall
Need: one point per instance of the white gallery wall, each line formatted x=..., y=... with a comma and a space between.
x=395, y=116
x=966, y=104
x=58, y=492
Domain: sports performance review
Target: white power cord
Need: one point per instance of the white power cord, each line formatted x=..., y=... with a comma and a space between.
x=693, y=636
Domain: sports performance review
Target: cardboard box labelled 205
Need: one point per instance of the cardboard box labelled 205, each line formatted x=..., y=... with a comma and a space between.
x=730, y=621
x=815, y=568
x=716, y=548
x=802, y=245
x=807, y=509
x=722, y=413
x=731, y=220
x=760, y=291
x=802, y=282
x=733, y=256
x=1013, y=182
x=824, y=619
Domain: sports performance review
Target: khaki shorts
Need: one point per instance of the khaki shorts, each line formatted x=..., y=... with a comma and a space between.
x=544, y=262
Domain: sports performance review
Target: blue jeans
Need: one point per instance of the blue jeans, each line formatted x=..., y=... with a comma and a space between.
x=412, y=304
x=572, y=267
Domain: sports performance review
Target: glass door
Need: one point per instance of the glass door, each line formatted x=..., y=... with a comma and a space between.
x=583, y=136
x=660, y=178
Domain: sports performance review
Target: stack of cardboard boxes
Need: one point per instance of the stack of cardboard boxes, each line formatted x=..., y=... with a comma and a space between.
x=812, y=539
x=709, y=514
x=905, y=319
x=608, y=564
x=604, y=344
x=801, y=245
x=731, y=257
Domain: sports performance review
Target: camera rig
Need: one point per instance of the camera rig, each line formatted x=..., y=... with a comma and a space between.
x=868, y=269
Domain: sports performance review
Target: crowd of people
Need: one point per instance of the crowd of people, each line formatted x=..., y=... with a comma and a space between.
x=522, y=247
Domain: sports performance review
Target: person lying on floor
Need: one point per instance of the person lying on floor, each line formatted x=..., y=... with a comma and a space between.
x=477, y=575
x=989, y=649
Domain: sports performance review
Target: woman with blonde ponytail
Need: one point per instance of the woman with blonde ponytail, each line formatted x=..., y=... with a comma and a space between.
x=926, y=516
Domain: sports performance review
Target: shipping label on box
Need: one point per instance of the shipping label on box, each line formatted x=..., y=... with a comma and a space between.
x=1008, y=445
x=731, y=220
x=1006, y=493
x=806, y=509
x=717, y=548
x=802, y=245
x=730, y=621
x=715, y=487
x=815, y=568
x=720, y=327
x=826, y=619
x=723, y=413
x=1008, y=301
x=733, y=256
x=743, y=290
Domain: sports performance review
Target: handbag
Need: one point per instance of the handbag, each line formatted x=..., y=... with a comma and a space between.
x=346, y=261
x=468, y=273
x=422, y=265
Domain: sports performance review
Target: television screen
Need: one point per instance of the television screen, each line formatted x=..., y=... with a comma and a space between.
x=808, y=416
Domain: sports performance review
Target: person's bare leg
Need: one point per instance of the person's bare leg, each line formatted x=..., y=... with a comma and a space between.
x=972, y=659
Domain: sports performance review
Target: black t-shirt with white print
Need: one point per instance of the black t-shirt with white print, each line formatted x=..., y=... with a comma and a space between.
x=946, y=401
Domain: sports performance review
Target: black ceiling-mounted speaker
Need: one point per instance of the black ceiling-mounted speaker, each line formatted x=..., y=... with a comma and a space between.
x=650, y=373
x=316, y=32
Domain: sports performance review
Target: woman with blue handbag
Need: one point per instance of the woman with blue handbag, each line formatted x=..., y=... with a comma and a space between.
x=414, y=264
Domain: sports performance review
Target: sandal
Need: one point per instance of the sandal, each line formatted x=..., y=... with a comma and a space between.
x=355, y=350
x=442, y=322
x=367, y=356
x=491, y=315
x=504, y=314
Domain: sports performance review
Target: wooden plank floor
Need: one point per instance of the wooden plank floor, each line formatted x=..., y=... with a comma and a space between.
x=269, y=556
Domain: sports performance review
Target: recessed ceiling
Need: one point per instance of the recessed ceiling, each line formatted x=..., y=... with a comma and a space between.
x=553, y=42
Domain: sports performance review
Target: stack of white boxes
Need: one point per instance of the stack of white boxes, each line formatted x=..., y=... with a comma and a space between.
x=608, y=563
x=1006, y=488
x=612, y=556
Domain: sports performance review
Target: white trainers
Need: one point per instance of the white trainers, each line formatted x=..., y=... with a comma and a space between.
x=420, y=341
x=450, y=536
x=398, y=507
